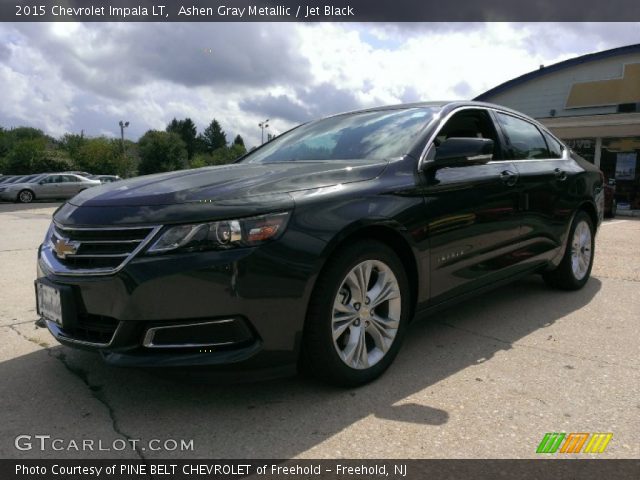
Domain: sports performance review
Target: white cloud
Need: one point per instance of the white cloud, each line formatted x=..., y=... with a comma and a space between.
x=66, y=77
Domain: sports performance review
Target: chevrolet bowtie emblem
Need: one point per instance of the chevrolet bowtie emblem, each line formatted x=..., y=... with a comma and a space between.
x=64, y=247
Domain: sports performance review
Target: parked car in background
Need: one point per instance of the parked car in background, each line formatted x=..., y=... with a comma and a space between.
x=610, y=202
x=106, y=178
x=45, y=186
x=318, y=248
x=6, y=178
x=82, y=174
x=18, y=178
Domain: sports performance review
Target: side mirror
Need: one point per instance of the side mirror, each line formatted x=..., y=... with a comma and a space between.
x=457, y=152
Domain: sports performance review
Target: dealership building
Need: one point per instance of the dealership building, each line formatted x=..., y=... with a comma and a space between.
x=591, y=102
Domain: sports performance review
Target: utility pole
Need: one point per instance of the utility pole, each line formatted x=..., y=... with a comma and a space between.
x=262, y=126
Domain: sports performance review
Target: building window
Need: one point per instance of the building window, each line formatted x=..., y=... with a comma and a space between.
x=585, y=147
x=619, y=160
x=629, y=107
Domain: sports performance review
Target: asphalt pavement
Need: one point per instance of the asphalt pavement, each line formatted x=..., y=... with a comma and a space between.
x=484, y=379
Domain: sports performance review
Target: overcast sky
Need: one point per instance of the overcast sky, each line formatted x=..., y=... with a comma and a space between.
x=65, y=77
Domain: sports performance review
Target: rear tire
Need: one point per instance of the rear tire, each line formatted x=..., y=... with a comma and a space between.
x=575, y=268
x=352, y=337
x=25, y=196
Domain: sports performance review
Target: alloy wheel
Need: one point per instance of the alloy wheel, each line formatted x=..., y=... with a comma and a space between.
x=581, y=250
x=26, y=196
x=366, y=314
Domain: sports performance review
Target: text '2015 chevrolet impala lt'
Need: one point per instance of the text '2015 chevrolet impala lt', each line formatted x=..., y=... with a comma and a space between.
x=317, y=249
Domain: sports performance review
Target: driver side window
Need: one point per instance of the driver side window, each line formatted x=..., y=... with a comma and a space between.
x=471, y=123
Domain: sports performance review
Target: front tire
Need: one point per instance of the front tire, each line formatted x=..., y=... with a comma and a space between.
x=357, y=315
x=575, y=268
x=25, y=196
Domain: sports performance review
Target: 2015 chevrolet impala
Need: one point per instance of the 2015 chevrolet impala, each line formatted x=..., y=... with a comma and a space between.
x=317, y=249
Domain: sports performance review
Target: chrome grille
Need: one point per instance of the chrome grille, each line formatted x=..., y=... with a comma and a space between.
x=93, y=250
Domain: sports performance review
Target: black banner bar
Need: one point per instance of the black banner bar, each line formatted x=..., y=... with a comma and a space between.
x=318, y=10
x=542, y=468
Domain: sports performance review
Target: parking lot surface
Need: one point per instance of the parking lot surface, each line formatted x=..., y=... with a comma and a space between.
x=487, y=378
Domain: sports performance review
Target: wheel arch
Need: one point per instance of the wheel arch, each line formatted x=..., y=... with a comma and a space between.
x=592, y=211
x=385, y=231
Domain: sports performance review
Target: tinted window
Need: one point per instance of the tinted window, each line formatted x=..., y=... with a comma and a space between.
x=470, y=123
x=71, y=178
x=377, y=135
x=555, y=149
x=524, y=138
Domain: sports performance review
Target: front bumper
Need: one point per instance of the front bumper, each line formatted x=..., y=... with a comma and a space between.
x=252, y=303
x=8, y=196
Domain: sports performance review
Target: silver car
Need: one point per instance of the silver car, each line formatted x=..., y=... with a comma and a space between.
x=46, y=186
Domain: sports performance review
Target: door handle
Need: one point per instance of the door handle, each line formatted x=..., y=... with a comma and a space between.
x=561, y=175
x=509, y=178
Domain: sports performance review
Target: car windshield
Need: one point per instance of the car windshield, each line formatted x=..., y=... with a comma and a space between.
x=376, y=135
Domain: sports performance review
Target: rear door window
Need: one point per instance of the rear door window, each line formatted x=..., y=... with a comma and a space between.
x=524, y=140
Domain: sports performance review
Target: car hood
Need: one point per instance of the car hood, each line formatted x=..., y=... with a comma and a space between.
x=239, y=180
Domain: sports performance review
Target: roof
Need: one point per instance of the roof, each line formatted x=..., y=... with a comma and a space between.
x=591, y=57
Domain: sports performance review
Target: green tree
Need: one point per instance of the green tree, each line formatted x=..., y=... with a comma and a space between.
x=187, y=131
x=72, y=143
x=214, y=137
x=53, y=160
x=27, y=133
x=238, y=140
x=220, y=156
x=4, y=142
x=25, y=155
x=161, y=152
x=200, y=160
x=101, y=156
x=236, y=151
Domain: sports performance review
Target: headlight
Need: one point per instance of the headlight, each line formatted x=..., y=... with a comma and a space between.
x=222, y=235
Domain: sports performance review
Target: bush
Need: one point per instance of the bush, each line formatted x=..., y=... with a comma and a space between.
x=161, y=152
x=25, y=155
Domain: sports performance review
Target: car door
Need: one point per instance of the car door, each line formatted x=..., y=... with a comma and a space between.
x=544, y=178
x=472, y=210
x=72, y=185
x=48, y=187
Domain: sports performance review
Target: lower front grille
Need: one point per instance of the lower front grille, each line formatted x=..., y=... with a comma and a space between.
x=93, y=329
x=93, y=250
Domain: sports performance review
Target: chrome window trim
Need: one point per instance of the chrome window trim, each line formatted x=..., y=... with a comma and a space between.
x=49, y=258
x=425, y=151
x=148, y=337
